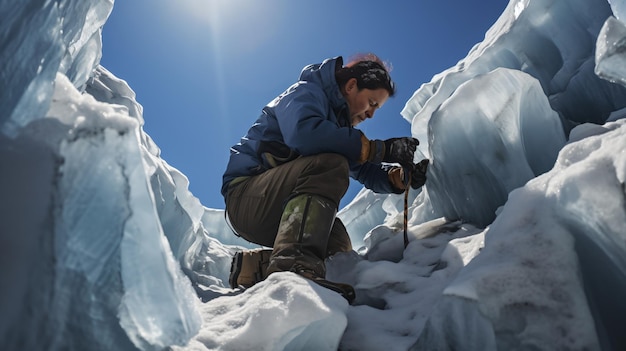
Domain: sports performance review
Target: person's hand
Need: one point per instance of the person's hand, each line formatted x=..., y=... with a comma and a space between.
x=394, y=150
x=418, y=173
x=397, y=176
x=400, y=150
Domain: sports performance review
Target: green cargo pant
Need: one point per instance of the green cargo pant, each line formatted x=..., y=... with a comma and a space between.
x=255, y=205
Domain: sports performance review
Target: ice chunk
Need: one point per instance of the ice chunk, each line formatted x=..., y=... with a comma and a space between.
x=492, y=135
x=610, y=47
x=44, y=41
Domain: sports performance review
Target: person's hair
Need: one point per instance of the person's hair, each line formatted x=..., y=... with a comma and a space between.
x=369, y=71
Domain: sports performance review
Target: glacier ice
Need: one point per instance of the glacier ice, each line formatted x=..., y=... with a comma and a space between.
x=516, y=241
x=71, y=47
x=511, y=133
x=611, y=43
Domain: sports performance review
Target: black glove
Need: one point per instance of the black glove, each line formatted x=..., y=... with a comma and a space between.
x=400, y=150
x=418, y=173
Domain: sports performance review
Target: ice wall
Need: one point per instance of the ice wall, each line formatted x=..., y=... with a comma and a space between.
x=95, y=226
x=550, y=44
x=494, y=133
x=570, y=214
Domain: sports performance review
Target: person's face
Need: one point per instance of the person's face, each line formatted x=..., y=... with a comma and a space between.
x=363, y=103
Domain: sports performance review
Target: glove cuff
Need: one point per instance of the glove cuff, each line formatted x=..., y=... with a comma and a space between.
x=372, y=150
x=377, y=151
x=396, y=179
x=365, y=149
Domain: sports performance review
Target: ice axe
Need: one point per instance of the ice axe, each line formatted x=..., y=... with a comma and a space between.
x=420, y=172
x=407, y=185
x=402, y=151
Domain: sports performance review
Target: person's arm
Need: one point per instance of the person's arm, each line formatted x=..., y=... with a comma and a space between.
x=309, y=126
x=389, y=179
x=374, y=177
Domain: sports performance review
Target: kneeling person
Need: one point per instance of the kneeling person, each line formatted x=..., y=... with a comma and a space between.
x=286, y=177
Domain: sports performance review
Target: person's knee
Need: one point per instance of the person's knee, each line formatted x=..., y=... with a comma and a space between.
x=326, y=175
x=337, y=166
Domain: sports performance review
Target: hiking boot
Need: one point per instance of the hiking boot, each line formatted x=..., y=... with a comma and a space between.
x=249, y=267
x=302, y=241
x=303, y=232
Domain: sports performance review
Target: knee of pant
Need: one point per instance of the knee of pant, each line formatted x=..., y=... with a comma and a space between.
x=337, y=166
x=326, y=175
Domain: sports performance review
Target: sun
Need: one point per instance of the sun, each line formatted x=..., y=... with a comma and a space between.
x=223, y=15
x=235, y=26
x=212, y=12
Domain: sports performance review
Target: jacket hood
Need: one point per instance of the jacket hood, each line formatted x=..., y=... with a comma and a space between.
x=324, y=75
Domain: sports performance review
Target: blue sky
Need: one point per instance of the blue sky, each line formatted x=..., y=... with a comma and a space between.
x=203, y=69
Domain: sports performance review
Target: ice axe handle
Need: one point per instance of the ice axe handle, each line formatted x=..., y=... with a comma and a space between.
x=407, y=185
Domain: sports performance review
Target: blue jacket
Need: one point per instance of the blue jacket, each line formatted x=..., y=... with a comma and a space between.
x=309, y=118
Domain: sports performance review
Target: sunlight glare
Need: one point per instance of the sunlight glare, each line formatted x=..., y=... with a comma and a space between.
x=242, y=25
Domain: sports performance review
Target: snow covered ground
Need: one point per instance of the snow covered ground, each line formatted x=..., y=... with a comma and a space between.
x=517, y=241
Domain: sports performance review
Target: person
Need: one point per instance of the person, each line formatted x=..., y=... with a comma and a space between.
x=285, y=178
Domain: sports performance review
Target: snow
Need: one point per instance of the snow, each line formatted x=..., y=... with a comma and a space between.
x=300, y=309
x=517, y=241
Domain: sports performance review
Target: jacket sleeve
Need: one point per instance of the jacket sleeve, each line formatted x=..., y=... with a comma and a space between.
x=374, y=177
x=308, y=124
